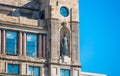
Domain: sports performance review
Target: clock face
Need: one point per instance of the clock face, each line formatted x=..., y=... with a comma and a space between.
x=64, y=11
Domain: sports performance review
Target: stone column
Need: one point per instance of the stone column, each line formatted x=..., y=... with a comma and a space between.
x=24, y=44
x=20, y=44
x=39, y=46
x=3, y=41
x=0, y=41
x=44, y=46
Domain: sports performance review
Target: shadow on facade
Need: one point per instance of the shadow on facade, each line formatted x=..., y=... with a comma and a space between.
x=31, y=10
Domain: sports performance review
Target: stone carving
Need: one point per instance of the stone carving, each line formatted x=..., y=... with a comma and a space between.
x=64, y=45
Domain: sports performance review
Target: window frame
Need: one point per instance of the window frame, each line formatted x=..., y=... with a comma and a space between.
x=13, y=65
x=65, y=71
x=32, y=46
x=33, y=67
x=16, y=44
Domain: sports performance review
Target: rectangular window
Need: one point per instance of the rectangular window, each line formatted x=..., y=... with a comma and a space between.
x=64, y=72
x=31, y=45
x=11, y=42
x=33, y=71
x=13, y=69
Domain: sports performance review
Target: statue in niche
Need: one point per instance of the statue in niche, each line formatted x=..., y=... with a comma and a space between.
x=64, y=45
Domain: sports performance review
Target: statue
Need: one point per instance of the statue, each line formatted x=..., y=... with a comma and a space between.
x=64, y=45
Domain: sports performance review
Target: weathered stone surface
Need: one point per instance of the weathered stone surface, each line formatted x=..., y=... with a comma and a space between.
x=18, y=20
x=52, y=24
x=75, y=41
x=54, y=38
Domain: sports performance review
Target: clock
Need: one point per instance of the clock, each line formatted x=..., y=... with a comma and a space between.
x=64, y=11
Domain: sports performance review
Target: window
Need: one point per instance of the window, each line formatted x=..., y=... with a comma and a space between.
x=13, y=69
x=31, y=45
x=64, y=72
x=33, y=71
x=11, y=42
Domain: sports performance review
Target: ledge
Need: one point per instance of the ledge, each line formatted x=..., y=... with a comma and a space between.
x=18, y=20
x=23, y=59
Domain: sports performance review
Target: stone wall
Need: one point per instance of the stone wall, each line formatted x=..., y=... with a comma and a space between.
x=18, y=20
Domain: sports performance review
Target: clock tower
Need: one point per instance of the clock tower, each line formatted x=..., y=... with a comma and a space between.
x=62, y=21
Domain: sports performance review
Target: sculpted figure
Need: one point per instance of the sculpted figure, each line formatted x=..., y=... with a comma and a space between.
x=64, y=45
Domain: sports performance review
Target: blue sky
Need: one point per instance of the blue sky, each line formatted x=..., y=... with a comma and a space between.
x=100, y=36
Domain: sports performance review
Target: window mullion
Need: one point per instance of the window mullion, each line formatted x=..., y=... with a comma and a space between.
x=12, y=69
x=0, y=40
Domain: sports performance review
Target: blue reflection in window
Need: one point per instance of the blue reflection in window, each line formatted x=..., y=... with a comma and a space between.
x=16, y=69
x=11, y=42
x=30, y=70
x=34, y=71
x=13, y=69
x=67, y=72
x=64, y=72
x=9, y=69
x=31, y=45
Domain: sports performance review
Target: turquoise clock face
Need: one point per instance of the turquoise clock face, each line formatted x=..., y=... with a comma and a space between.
x=64, y=11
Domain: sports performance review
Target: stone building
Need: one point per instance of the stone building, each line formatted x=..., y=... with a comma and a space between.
x=39, y=38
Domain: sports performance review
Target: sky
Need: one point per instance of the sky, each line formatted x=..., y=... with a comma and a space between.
x=100, y=36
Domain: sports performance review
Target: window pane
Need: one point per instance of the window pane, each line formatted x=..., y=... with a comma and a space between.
x=16, y=69
x=11, y=42
x=36, y=71
x=11, y=34
x=31, y=51
x=31, y=37
x=31, y=43
x=11, y=49
x=9, y=69
x=67, y=72
x=30, y=72
x=62, y=72
x=31, y=47
x=13, y=69
x=8, y=40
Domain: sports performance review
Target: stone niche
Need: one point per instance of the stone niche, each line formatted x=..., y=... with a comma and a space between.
x=65, y=31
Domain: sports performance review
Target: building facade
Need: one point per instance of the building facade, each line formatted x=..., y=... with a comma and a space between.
x=39, y=38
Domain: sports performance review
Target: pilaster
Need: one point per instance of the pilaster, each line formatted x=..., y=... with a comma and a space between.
x=74, y=41
x=54, y=40
x=3, y=41
x=24, y=44
x=39, y=46
x=20, y=44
